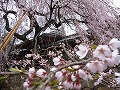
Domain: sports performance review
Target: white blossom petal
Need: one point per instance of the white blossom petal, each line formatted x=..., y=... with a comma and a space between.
x=114, y=43
x=77, y=86
x=102, y=51
x=76, y=67
x=41, y=73
x=68, y=85
x=82, y=52
x=25, y=84
x=95, y=66
x=59, y=76
x=117, y=80
x=109, y=62
x=32, y=70
x=73, y=77
x=117, y=74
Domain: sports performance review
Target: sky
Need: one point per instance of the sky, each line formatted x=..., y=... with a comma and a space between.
x=116, y=3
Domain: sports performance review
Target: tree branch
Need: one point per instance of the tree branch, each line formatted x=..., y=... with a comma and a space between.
x=50, y=76
x=11, y=73
x=21, y=37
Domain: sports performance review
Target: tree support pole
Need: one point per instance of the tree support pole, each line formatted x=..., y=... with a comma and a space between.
x=12, y=32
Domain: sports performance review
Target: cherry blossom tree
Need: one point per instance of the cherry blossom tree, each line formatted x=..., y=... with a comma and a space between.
x=61, y=44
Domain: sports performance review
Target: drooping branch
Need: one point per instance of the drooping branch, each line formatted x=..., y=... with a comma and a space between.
x=74, y=20
x=6, y=19
x=59, y=15
x=33, y=23
x=51, y=9
x=21, y=37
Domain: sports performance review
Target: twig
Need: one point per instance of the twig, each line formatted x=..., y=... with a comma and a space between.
x=71, y=64
x=47, y=81
x=50, y=76
x=68, y=54
x=9, y=73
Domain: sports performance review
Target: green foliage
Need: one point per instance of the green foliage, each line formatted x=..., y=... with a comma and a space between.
x=36, y=84
x=54, y=82
x=54, y=85
x=93, y=47
x=2, y=80
x=17, y=70
x=96, y=76
x=70, y=69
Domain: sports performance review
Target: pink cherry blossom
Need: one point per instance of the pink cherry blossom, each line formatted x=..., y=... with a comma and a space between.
x=28, y=55
x=98, y=81
x=73, y=77
x=110, y=71
x=32, y=70
x=115, y=52
x=26, y=85
x=51, y=53
x=56, y=61
x=95, y=66
x=60, y=87
x=82, y=52
x=88, y=76
x=76, y=67
x=68, y=84
x=117, y=74
x=85, y=75
x=47, y=88
x=108, y=62
x=114, y=43
x=77, y=41
x=117, y=80
x=81, y=73
x=102, y=51
x=77, y=85
x=116, y=58
x=59, y=75
x=53, y=69
x=41, y=73
x=36, y=56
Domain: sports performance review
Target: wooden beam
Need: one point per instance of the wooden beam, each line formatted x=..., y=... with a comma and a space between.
x=12, y=32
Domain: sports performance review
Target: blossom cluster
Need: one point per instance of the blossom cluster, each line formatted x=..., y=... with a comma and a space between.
x=32, y=75
x=105, y=56
x=30, y=59
x=71, y=77
x=104, y=78
x=71, y=80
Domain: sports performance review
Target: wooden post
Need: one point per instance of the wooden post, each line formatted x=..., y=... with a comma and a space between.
x=12, y=32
